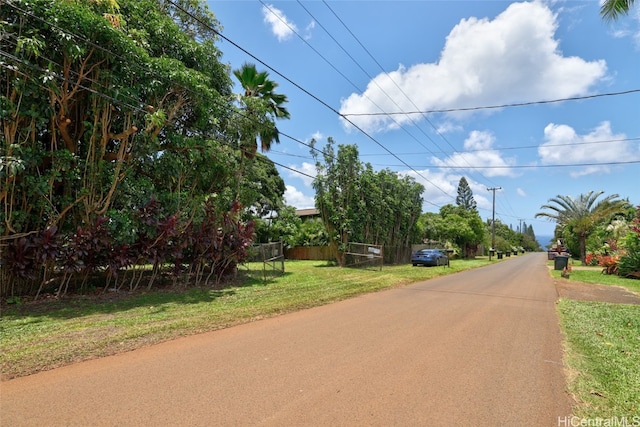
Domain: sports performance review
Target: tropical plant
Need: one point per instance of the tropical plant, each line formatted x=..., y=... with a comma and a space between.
x=262, y=106
x=579, y=216
x=465, y=195
x=106, y=105
x=358, y=204
x=629, y=265
x=613, y=9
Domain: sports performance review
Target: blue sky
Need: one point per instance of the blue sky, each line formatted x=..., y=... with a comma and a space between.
x=352, y=70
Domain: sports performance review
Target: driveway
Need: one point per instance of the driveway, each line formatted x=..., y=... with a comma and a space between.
x=477, y=348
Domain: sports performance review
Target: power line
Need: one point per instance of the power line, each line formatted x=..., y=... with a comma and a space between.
x=102, y=94
x=517, y=104
x=567, y=165
x=332, y=109
x=354, y=85
x=523, y=147
x=426, y=118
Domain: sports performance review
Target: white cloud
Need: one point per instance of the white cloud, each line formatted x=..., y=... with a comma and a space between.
x=478, y=152
x=318, y=136
x=280, y=25
x=308, y=169
x=511, y=58
x=563, y=145
x=296, y=198
x=309, y=30
x=521, y=192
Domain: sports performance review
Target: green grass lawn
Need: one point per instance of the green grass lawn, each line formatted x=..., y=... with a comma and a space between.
x=602, y=350
x=603, y=357
x=44, y=335
x=594, y=275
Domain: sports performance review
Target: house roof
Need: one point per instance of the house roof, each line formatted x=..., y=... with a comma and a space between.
x=307, y=212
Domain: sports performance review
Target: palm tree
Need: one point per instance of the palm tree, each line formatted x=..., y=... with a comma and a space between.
x=263, y=106
x=581, y=215
x=613, y=9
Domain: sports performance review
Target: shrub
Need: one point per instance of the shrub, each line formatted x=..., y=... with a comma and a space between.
x=629, y=265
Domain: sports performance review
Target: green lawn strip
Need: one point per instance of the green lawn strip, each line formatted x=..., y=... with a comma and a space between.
x=603, y=354
x=595, y=276
x=42, y=336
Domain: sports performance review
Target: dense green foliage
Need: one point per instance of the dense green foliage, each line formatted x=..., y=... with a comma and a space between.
x=107, y=108
x=508, y=240
x=577, y=218
x=360, y=205
x=615, y=245
x=463, y=227
x=629, y=265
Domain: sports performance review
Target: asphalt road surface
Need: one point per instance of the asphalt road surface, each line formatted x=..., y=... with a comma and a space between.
x=477, y=348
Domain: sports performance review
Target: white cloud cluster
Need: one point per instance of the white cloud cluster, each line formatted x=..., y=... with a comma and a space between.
x=563, y=145
x=514, y=57
x=281, y=27
x=296, y=198
x=478, y=151
x=307, y=172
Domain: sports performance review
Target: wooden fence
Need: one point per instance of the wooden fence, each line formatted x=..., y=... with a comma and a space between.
x=392, y=255
x=316, y=253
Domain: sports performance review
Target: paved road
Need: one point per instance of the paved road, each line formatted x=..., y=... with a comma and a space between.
x=478, y=348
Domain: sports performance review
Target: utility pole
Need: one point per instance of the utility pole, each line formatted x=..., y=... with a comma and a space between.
x=493, y=221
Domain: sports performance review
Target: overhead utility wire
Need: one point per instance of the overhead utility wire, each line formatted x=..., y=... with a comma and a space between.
x=387, y=74
x=357, y=88
x=57, y=76
x=630, y=162
x=488, y=107
x=108, y=97
x=298, y=87
x=118, y=102
x=426, y=118
x=371, y=78
x=49, y=72
x=524, y=147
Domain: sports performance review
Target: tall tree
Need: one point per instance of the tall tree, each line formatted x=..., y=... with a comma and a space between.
x=613, y=9
x=336, y=185
x=96, y=94
x=358, y=204
x=463, y=227
x=579, y=216
x=262, y=106
x=465, y=196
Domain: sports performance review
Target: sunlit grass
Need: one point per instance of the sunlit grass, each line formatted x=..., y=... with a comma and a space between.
x=42, y=336
x=603, y=350
x=594, y=275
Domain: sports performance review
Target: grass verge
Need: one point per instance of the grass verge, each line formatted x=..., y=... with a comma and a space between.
x=595, y=276
x=603, y=349
x=45, y=335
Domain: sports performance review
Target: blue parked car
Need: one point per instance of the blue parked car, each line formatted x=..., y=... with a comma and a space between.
x=429, y=257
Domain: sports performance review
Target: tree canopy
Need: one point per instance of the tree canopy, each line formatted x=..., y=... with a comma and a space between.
x=579, y=216
x=465, y=199
x=358, y=204
x=119, y=120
